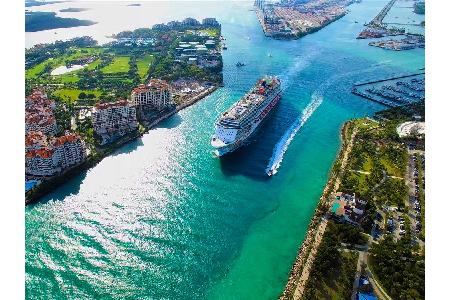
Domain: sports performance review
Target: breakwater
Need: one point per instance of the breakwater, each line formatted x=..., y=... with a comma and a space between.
x=317, y=226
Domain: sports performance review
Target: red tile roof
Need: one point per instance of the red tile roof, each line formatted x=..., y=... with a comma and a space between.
x=68, y=138
x=153, y=84
x=120, y=102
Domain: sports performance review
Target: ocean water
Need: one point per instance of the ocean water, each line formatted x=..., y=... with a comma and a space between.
x=162, y=218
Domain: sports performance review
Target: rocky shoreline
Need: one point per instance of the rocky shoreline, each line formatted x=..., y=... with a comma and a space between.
x=319, y=213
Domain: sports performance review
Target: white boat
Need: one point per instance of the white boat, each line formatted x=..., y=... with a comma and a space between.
x=237, y=124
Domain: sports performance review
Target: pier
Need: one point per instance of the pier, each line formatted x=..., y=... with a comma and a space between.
x=378, y=20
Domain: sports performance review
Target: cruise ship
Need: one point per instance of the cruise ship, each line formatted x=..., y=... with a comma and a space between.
x=238, y=123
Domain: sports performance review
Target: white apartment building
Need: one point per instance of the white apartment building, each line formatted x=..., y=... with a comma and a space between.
x=58, y=154
x=154, y=95
x=43, y=122
x=41, y=162
x=115, y=117
x=69, y=150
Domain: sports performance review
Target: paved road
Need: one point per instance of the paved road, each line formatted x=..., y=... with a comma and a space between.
x=363, y=260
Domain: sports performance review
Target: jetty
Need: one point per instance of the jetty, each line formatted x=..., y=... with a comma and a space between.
x=378, y=20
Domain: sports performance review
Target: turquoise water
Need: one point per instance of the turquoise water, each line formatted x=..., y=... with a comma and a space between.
x=162, y=218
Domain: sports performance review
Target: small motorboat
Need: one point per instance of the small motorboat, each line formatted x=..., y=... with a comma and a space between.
x=239, y=64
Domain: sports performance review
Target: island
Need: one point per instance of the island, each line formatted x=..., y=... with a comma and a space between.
x=93, y=99
x=38, y=21
x=73, y=9
x=292, y=19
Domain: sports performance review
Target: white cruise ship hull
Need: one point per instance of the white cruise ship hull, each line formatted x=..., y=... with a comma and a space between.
x=222, y=148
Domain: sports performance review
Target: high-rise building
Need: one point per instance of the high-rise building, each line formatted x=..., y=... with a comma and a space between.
x=47, y=158
x=210, y=22
x=114, y=119
x=154, y=95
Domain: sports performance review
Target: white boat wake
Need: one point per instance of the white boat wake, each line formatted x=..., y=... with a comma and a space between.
x=286, y=139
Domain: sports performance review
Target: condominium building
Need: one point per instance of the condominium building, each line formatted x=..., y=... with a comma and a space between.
x=190, y=22
x=35, y=140
x=154, y=95
x=39, y=115
x=47, y=158
x=69, y=149
x=41, y=162
x=42, y=120
x=112, y=119
x=210, y=22
x=37, y=99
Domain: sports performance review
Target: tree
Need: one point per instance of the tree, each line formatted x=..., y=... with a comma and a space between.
x=82, y=95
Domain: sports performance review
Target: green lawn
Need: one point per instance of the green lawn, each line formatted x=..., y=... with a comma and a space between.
x=118, y=65
x=72, y=94
x=94, y=64
x=368, y=165
x=34, y=71
x=211, y=31
x=70, y=77
x=61, y=61
x=143, y=64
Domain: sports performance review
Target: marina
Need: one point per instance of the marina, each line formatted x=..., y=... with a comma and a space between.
x=395, y=91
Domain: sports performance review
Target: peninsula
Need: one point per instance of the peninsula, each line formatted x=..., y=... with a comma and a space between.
x=370, y=217
x=292, y=19
x=38, y=21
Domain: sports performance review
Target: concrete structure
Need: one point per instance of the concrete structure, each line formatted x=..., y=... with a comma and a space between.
x=347, y=208
x=154, y=95
x=35, y=140
x=411, y=129
x=41, y=121
x=47, y=158
x=69, y=150
x=39, y=114
x=114, y=119
x=190, y=22
x=210, y=22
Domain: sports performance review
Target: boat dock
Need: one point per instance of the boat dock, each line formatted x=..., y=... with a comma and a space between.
x=393, y=92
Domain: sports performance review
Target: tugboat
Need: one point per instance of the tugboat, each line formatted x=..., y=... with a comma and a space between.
x=239, y=64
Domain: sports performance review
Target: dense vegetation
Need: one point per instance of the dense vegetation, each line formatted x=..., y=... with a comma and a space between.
x=112, y=70
x=403, y=113
x=399, y=269
x=377, y=164
x=37, y=21
x=333, y=271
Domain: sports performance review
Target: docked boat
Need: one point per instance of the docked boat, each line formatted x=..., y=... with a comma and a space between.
x=237, y=124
